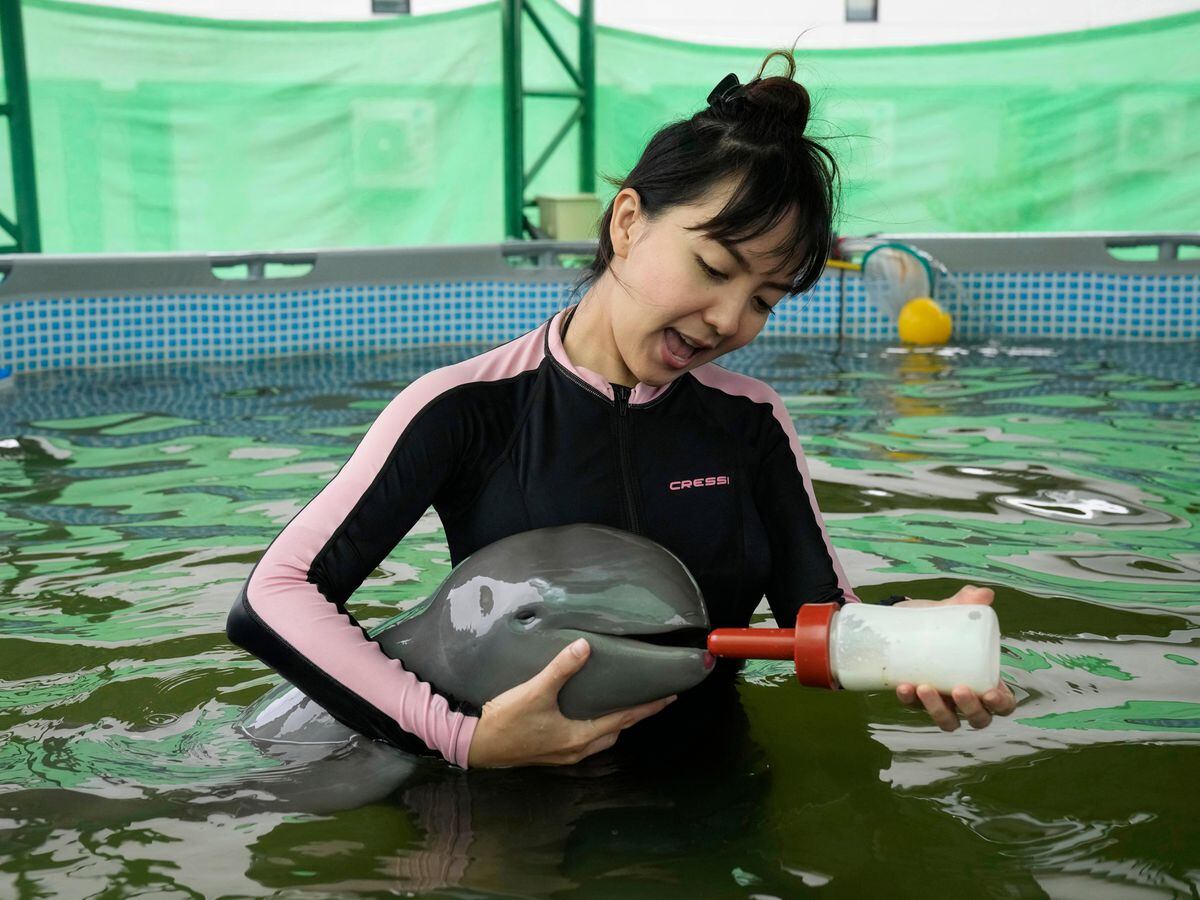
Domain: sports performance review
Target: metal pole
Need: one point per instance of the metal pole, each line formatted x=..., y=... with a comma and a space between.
x=514, y=120
x=587, y=72
x=20, y=135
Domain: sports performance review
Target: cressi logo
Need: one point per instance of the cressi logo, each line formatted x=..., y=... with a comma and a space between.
x=703, y=481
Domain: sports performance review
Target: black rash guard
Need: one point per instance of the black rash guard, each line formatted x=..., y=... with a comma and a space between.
x=519, y=438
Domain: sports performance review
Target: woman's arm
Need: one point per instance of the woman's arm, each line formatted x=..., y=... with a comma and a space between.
x=804, y=564
x=292, y=610
x=805, y=569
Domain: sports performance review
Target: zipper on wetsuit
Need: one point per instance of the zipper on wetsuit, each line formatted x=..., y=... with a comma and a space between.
x=621, y=396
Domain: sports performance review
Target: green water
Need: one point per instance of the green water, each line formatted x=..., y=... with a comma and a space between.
x=133, y=503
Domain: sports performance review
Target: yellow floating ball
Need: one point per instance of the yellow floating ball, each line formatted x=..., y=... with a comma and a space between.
x=922, y=321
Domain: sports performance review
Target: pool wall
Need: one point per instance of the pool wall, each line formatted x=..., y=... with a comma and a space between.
x=71, y=311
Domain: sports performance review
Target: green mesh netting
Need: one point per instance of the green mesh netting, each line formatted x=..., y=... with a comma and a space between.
x=157, y=132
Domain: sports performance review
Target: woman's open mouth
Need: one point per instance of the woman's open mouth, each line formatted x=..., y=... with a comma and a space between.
x=679, y=350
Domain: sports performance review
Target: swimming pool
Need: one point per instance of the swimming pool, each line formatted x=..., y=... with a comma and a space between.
x=1065, y=474
x=72, y=311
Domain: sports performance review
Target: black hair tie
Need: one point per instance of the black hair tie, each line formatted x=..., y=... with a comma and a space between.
x=729, y=96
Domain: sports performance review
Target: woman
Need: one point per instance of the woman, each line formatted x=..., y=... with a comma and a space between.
x=609, y=413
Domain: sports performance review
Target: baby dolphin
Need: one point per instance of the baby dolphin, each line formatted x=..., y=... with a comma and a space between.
x=505, y=611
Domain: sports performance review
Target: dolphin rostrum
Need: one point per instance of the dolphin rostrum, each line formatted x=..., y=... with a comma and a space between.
x=505, y=611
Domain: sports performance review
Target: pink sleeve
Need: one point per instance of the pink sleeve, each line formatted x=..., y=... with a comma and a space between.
x=785, y=422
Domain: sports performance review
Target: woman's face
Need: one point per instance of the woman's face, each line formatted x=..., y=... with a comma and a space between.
x=681, y=299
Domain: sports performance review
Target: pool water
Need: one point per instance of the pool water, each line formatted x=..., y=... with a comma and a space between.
x=1066, y=476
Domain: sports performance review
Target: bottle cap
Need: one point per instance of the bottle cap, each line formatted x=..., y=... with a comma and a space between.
x=812, y=644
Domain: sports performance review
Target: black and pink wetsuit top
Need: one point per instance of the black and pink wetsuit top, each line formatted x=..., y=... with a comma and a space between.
x=519, y=438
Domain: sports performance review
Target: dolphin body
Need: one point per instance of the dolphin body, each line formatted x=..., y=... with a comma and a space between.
x=505, y=611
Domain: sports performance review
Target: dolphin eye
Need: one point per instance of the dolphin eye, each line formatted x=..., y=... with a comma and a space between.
x=526, y=616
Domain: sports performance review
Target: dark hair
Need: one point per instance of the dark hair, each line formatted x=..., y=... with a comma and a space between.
x=758, y=140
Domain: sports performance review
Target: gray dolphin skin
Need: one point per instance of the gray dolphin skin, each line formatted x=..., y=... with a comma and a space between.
x=504, y=612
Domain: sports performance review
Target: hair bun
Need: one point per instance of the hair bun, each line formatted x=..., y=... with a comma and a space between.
x=773, y=109
x=780, y=101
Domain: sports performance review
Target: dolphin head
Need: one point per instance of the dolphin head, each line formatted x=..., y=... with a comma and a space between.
x=504, y=612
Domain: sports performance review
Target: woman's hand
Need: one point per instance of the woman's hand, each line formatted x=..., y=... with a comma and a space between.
x=945, y=709
x=523, y=726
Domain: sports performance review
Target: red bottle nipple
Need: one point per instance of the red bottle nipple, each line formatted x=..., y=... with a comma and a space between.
x=807, y=644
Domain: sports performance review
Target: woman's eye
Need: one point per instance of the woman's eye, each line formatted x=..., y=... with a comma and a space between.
x=709, y=270
x=760, y=304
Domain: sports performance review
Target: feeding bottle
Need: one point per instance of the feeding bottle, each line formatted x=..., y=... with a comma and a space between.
x=862, y=647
